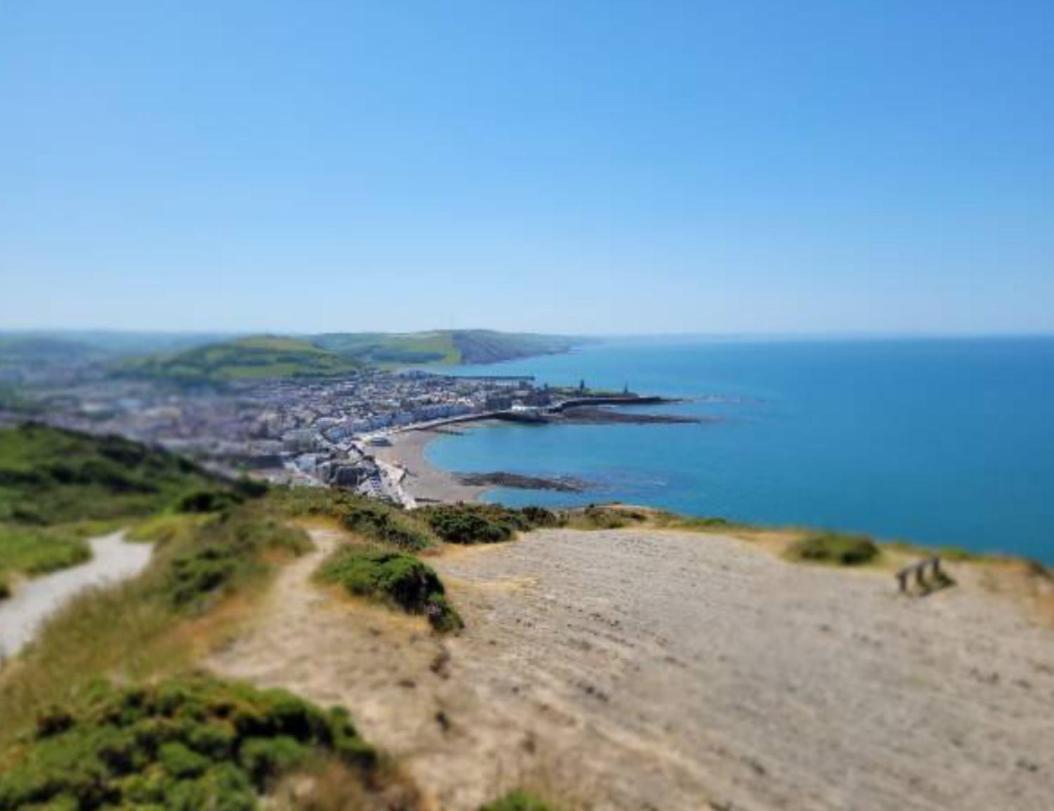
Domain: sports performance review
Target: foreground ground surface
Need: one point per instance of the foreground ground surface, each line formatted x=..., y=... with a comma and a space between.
x=642, y=669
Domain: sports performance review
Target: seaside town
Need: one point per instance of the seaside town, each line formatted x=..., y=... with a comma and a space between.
x=311, y=432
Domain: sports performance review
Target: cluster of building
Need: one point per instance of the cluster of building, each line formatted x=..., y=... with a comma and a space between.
x=308, y=431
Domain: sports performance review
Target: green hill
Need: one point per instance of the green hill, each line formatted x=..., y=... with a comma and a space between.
x=392, y=349
x=335, y=354
x=441, y=346
x=51, y=480
x=264, y=356
x=488, y=346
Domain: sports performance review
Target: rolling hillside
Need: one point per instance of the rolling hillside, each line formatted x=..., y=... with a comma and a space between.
x=335, y=354
x=392, y=349
x=265, y=356
x=446, y=347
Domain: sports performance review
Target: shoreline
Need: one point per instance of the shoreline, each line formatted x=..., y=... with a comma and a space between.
x=423, y=481
x=427, y=484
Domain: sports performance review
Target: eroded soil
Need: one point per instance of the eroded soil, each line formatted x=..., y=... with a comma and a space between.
x=638, y=669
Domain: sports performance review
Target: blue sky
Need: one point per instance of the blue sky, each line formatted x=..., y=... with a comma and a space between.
x=554, y=166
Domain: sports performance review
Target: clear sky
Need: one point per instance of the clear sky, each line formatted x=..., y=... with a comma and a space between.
x=570, y=166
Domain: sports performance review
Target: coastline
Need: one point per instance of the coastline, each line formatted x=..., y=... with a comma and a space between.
x=424, y=482
x=427, y=484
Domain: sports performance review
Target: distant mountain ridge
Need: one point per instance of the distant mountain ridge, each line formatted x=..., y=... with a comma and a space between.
x=442, y=346
x=335, y=354
x=218, y=358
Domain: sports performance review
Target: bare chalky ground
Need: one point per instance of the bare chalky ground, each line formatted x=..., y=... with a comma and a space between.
x=638, y=669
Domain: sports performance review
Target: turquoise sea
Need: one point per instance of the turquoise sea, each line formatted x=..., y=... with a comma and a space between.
x=942, y=441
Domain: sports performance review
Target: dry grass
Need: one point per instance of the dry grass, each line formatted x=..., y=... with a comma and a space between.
x=329, y=785
x=113, y=631
x=128, y=632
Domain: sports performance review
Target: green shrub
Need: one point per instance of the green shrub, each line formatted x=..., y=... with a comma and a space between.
x=833, y=547
x=250, y=488
x=385, y=524
x=541, y=517
x=442, y=616
x=375, y=521
x=484, y=523
x=197, y=559
x=395, y=578
x=517, y=801
x=192, y=743
x=52, y=476
x=207, y=501
x=463, y=524
x=224, y=548
x=200, y=571
x=600, y=517
x=669, y=520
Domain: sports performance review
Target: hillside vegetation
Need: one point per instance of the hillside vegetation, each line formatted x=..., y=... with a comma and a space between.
x=333, y=354
x=189, y=743
x=56, y=486
x=259, y=357
x=392, y=349
x=167, y=737
x=488, y=346
x=441, y=346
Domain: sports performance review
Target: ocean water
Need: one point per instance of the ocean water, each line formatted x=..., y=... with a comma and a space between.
x=936, y=441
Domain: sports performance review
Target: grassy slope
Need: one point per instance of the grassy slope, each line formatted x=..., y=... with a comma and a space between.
x=130, y=631
x=488, y=346
x=441, y=346
x=167, y=736
x=258, y=357
x=54, y=484
x=393, y=349
x=192, y=742
x=336, y=354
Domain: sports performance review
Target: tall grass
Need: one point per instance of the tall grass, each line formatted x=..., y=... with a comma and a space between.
x=127, y=632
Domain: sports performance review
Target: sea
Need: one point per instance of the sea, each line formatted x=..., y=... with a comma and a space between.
x=936, y=441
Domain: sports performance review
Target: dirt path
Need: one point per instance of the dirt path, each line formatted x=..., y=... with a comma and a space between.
x=639, y=669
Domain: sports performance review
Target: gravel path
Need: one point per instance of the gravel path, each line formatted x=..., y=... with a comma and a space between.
x=638, y=669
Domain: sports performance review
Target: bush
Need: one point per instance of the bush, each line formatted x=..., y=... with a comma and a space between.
x=395, y=578
x=832, y=547
x=599, y=517
x=192, y=743
x=485, y=523
x=541, y=517
x=466, y=524
x=224, y=548
x=51, y=475
x=201, y=571
x=5, y=589
x=517, y=801
x=127, y=629
x=384, y=524
x=207, y=501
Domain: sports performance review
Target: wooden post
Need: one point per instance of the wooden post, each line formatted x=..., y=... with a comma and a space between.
x=902, y=580
x=920, y=574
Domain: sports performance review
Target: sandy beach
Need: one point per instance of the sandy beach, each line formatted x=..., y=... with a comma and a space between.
x=425, y=482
